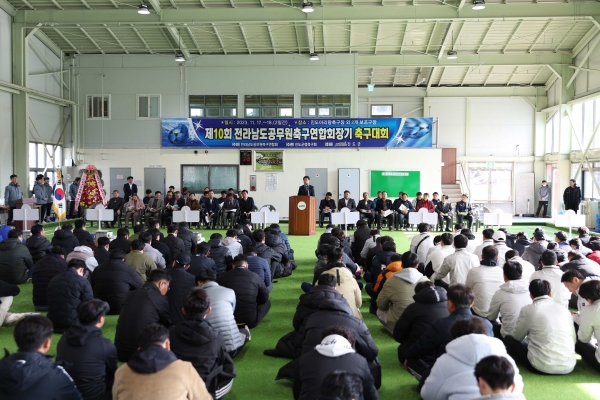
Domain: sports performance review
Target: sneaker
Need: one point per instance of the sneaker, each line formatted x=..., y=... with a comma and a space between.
x=13, y=318
x=249, y=333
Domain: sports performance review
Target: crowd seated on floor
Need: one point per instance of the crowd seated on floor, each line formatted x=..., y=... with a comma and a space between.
x=459, y=306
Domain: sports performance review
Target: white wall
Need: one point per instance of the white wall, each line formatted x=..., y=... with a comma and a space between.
x=428, y=161
x=6, y=150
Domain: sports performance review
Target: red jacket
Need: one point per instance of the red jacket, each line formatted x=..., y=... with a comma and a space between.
x=428, y=204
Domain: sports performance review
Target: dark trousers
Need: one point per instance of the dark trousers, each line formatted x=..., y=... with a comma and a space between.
x=468, y=218
x=48, y=209
x=587, y=352
x=10, y=214
x=261, y=311
x=518, y=351
x=401, y=220
x=124, y=355
x=165, y=217
x=322, y=216
x=368, y=217
x=42, y=212
x=390, y=220
x=540, y=205
x=72, y=213
x=441, y=221
x=246, y=334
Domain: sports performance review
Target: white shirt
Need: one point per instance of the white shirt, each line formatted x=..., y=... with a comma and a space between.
x=526, y=266
x=502, y=249
x=437, y=256
x=590, y=324
x=457, y=265
x=581, y=302
x=551, y=335
x=472, y=246
x=426, y=240
x=508, y=302
x=485, y=281
x=479, y=249
x=552, y=274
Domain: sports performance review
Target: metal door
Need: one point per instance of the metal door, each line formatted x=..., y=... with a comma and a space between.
x=349, y=179
x=154, y=179
x=118, y=178
x=318, y=178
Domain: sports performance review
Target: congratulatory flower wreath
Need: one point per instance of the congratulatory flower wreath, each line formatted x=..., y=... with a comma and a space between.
x=90, y=189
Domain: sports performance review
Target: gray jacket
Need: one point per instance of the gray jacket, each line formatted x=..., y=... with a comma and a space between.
x=11, y=193
x=49, y=193
x=544, y=193
x=222, y=301
x=73, y=190
x=40, y=193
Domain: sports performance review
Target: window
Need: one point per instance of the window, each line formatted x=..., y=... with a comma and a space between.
x=98, y=106
x=490, y=182
x=325, y=106
x=269, y=106
x=381, y=110
x=148, y=106
x=552, y=132
x=213, y=106
x=40, y=161
x=216, y=177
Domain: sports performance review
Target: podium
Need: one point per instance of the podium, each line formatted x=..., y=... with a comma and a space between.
x=302, y=215
x=25, y=225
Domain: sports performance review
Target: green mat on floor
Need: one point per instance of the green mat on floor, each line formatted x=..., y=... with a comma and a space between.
x=256, y=372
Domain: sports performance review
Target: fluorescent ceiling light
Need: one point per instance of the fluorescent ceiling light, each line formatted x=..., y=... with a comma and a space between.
x=143, y=9
x=307, y=7
x=314, y=57
x=452, y=55
x=478, y=5
x=179, y=57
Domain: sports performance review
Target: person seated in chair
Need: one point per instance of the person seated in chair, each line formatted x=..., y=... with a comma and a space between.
x=228, y=211
x=402, y=206
x=170, y=204
x=444, y=212
x=135, y=206
x=116, y=204
x=155, y=207
x=366, y=209
x=347, y=202
x=464, y=211
x=246, y=206
x=211, y=209
x=326, y=207
x=425, y=203
x=384, y=206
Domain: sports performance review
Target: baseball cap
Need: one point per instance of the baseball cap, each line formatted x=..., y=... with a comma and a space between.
x=183, y=259
x=539, y=235
x=499, y=235
x=561, y=236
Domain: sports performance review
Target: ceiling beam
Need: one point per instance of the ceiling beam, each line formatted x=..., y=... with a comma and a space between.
x=465, y=91
x=587, y=55
x=156, y=6
x=511, y=75
x=469, y=69
x=28, y=4
x=430, y=79
x=377, y=36
x=404, y=38
x=446, y=40
x=85, y=3
x=49, y=43
x=489, y=75
x=298, y=38
x=350, y=44
x=63, y=37
x=175, y=35
x=512, y=36
x=461, y=5
x=419, y=60
x=189, y=31
x=536, y=75
x=419, y=13
x=91, y=39
x=584, y=41
x=57, y=5
x=435, y=24
x=485, y=36
x=6, y=6
x=245, y=38
x=139, y=35
x=457, y=38
x=441, y=77
x=114, y=3
x=310, y=37
x=539, y=36
x=271, y=38
x=117, y=39
x=219, y=38
x=565, y=37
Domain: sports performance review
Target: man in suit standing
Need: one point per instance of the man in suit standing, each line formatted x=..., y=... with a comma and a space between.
x=307, y=189
x=155, y=207
x=129, y=188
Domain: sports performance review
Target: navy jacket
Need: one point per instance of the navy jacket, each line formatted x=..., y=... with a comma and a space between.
x=306, y=191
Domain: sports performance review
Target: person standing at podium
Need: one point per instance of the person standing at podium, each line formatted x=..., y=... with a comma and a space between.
x=307, y=189
x=12, y=193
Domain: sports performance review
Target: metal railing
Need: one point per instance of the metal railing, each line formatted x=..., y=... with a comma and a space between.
x=462, y=179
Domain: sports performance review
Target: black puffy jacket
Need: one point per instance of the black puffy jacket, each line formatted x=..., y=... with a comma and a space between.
x=250, y=292
x=120, y=243
x=195, y=341
x=83, y=236
x=112, y=281
x=221, y=255
x=65, y=292
x=15, y=261
x=274, y=258
x=175, y=245
x=65, y=239
x=181, y=282
x=90, y=359
x=311, y=301
x=377, y=262
x=31, y=375
x=361, y=236
x=43, y=272
x=430, y=305
x=277, y=244
x=583, y=265
x=189, y=240
x=38, y=247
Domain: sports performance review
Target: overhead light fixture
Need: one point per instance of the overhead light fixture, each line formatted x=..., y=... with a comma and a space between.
x=307, y=7
x=314, y=57
x=478, y=5
x=179, y=57
x=143, y=9
x=452, y=55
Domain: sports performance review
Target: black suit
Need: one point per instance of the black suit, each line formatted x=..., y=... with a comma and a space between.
x=129, y=190
x=380, y=210
x=367, y=205
x=326, y=203
x=306, y=191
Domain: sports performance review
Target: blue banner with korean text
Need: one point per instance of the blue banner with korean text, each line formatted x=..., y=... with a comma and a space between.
x=297, y=133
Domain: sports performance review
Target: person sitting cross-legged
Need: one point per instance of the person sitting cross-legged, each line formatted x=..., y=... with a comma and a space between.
x=15, y=259
x=259, y=266
x=194, y=340
x=589, y=324
x=220, y=254
x=140, y=262
x=65, y=292
x=341, y=385
x=496, y=379
x=121, y=241
x=221, y=318
x=181, y=282
x=335, y=352
x=452, y=374
x=251, y=293
x=43, y=271
x=30, y=373
x=552, y=274
x=154, y=372
x=37, y=243
x=456, y=265
x=175, y=244
x=201, y=260
x=485, y=280
x=549, y=330
x=89, y=357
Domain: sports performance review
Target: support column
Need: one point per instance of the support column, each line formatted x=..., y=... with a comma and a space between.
x=20, y=107
x=564, y=141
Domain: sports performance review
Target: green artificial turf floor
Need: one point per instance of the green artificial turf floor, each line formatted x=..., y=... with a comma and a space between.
x=256, y=372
